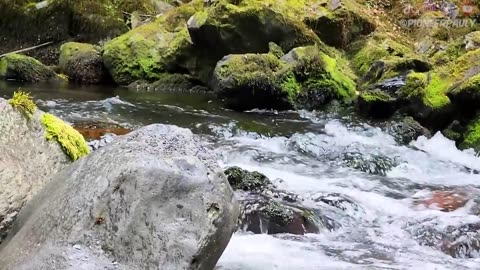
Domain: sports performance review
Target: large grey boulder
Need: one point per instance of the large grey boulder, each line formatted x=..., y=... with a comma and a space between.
x=153, y=199
x=27, y=161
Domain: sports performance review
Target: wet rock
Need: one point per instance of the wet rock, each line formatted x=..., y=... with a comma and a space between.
x=373, y=164
x=407, y=130
x=454, y=131
x=462, y=242
x=82, y=63
x=260, y=214
x=445, y=201
x=247, y=181
x=95, y=130
x=27, y=161
x=152, y=198
x=24, y=68
x=338, y=201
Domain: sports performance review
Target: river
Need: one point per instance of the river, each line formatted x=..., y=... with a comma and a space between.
x=314, y=154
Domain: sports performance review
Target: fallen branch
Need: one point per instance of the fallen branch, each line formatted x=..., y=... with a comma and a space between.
x=27, y=49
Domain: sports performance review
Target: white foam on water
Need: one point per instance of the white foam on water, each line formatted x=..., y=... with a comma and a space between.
x=379, y=238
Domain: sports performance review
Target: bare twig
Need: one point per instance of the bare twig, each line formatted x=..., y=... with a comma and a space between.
x=27, y=49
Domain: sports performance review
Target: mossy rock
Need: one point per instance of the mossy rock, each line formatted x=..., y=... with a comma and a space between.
x=467, y=93
x=377, y=104
x=24, y=68
x=145, y=53
x=338, y=25
x=303, y=78
x=58, y=20
x=71, y=141
x=471, y=138
x=379, y=57
x=247, y=181
x=82, y=63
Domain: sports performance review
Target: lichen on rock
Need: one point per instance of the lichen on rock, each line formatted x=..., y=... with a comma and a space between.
x=71, y=141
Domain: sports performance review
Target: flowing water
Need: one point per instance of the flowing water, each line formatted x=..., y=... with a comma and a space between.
x=314, y=155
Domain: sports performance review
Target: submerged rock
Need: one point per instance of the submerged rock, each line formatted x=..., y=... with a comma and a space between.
x=151, y=199
x=95, y=130
x=27, y=161
x=407, y=130
x=24, y=68
x=82, y=63
x=267, y=210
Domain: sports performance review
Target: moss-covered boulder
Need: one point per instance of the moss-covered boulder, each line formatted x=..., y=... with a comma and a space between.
x=338, y=25
x=24, y=68
x=305, y=77
x=145, y=53
x=82, y=63
x=168, y=82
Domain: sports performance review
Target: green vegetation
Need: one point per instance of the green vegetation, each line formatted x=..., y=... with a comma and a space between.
x=472, y=136
x=72, y=142
x=23, y=102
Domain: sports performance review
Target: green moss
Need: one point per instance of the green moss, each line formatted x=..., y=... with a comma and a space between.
x=373, y=49
x=472, y=136
x=23, y=102
x=375, y=96
x=344, y=85
x=276, y=50
x=251, y=69
x=72, y=142
x=291, y=86
x=430, y=88
x=435, y=92
x=144, y=53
